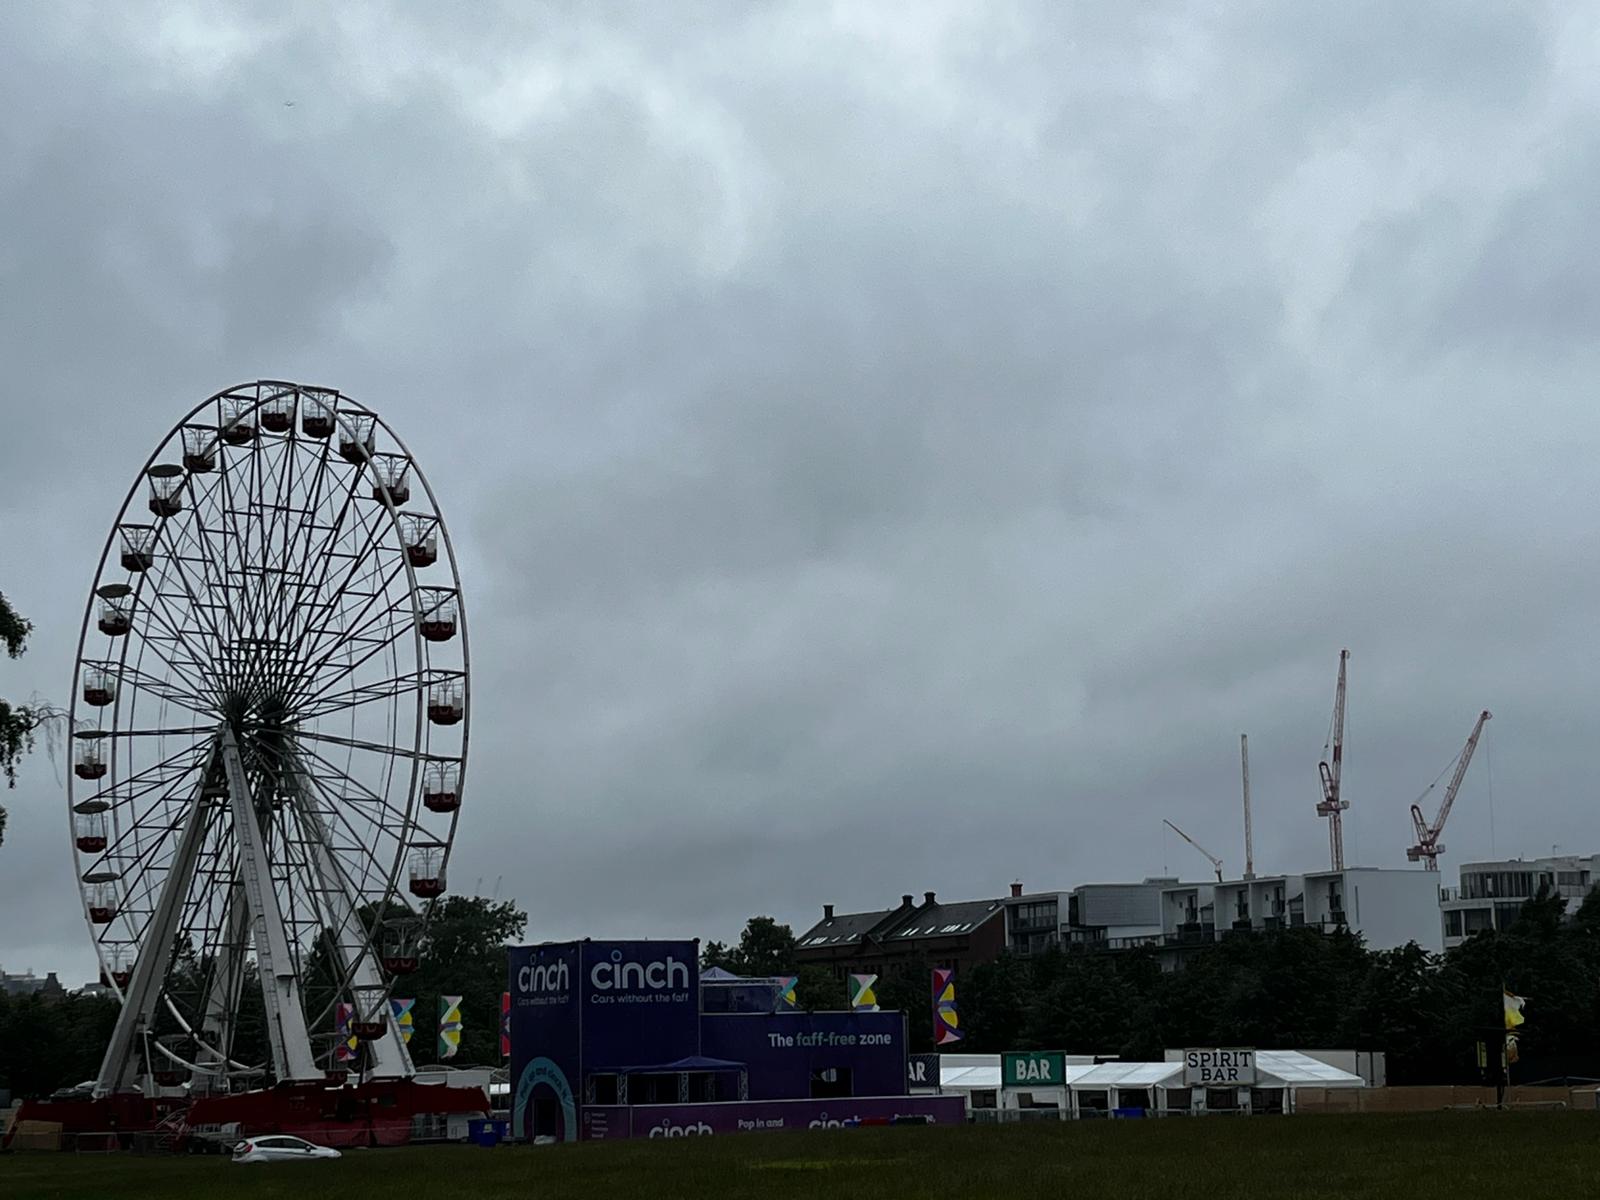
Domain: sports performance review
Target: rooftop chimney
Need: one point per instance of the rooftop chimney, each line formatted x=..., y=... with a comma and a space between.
x=927, y=899
x=905, y=901
x=827, y=912
x=1016, y=888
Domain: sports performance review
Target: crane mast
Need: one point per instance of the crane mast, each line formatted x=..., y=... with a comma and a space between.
x=1332, y=804
x=1244, y=770
x=1216, y=863
x=1428, y=846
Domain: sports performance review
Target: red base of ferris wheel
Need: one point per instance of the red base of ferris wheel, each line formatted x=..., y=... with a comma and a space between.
x=379, y=1113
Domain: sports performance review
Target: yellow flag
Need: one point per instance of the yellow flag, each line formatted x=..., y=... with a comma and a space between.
x=1514, y=1005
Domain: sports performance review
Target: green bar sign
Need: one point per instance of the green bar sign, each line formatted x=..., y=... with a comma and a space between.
x=1034, y=1068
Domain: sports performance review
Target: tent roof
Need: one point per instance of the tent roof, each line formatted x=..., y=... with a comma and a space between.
x=1124, y=1074
x=1293, y=1069
x=970, y=1072
x=717, y=975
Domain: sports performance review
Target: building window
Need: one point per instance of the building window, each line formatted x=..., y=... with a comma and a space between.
x=1039, y=914
x=1505, y=915
x=1452, y=923
x=1476, y=920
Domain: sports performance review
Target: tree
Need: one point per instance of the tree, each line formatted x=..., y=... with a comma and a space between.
x=49, y=1042
x=17, y=722
x=765, y=948
x=463, y=953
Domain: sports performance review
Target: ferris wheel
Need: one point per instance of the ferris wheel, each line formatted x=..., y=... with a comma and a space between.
x=270, y=713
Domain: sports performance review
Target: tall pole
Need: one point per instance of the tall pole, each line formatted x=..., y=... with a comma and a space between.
x=1249, y=842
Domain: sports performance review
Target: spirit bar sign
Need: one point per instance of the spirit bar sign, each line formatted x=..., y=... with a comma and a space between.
x=1219, y=1068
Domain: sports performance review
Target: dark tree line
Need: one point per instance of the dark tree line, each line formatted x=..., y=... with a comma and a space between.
x=1294, y=989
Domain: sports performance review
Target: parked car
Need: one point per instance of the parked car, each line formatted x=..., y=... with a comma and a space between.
x=279, y=1148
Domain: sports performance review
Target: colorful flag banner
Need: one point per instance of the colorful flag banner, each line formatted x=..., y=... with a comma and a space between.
x=862, y=997
x=784, y=999
x=403, y=1019
x=1511, y=1049
x=345, y=1049
x=505, y=1024
x=1513, y=1007
x=449, y=1026
x=946, y=1017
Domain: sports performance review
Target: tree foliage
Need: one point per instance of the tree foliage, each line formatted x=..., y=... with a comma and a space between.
x=49, y=1042
x=463, y=953
x=17, y=722
x=765, y=948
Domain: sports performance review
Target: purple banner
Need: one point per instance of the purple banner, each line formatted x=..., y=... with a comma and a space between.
x=756, y=1116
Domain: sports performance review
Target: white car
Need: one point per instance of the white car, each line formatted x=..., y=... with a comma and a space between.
x=278, y=1148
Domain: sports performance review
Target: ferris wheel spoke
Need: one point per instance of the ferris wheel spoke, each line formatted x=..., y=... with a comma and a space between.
x=384, y=748
x=213, y=575
x=374, y=631
x=321, y=619
x=280, y=525
x=162, y=612
x=369, y=693
x=339, y=808
x=158, y=731
x=332, y=774
x=271, y=519
x=295, y=559
x=329, y=859
x=143, y=681
x=252, y=572
x=325, y=554
x=153, y=776
x=372, y=646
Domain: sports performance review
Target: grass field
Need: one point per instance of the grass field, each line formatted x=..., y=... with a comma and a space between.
x=1454, y=1155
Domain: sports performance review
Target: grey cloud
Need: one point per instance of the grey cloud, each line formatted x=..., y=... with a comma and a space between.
x=891, y=449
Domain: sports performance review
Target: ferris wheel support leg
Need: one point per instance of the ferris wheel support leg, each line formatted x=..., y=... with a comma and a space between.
x=388, y=1056
x=292, y=1058
x=119, y=1069
x=222, y=1000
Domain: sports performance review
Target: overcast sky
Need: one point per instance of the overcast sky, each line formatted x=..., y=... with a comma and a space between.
x=890, y=447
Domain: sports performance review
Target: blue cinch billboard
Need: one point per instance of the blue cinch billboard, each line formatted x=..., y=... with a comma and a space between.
x=582, y=1008
x=641, y=1003
x=546, y=1066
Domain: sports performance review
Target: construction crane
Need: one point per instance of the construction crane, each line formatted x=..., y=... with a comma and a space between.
x=1332, y=804
x=1216, y=863
x=1429, y=847
x=1244, y=769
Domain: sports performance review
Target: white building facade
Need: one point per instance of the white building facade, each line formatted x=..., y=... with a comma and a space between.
x=1490, y=895
x=1388, y=908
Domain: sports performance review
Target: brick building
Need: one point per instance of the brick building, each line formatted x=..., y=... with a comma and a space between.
x=960, y=934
